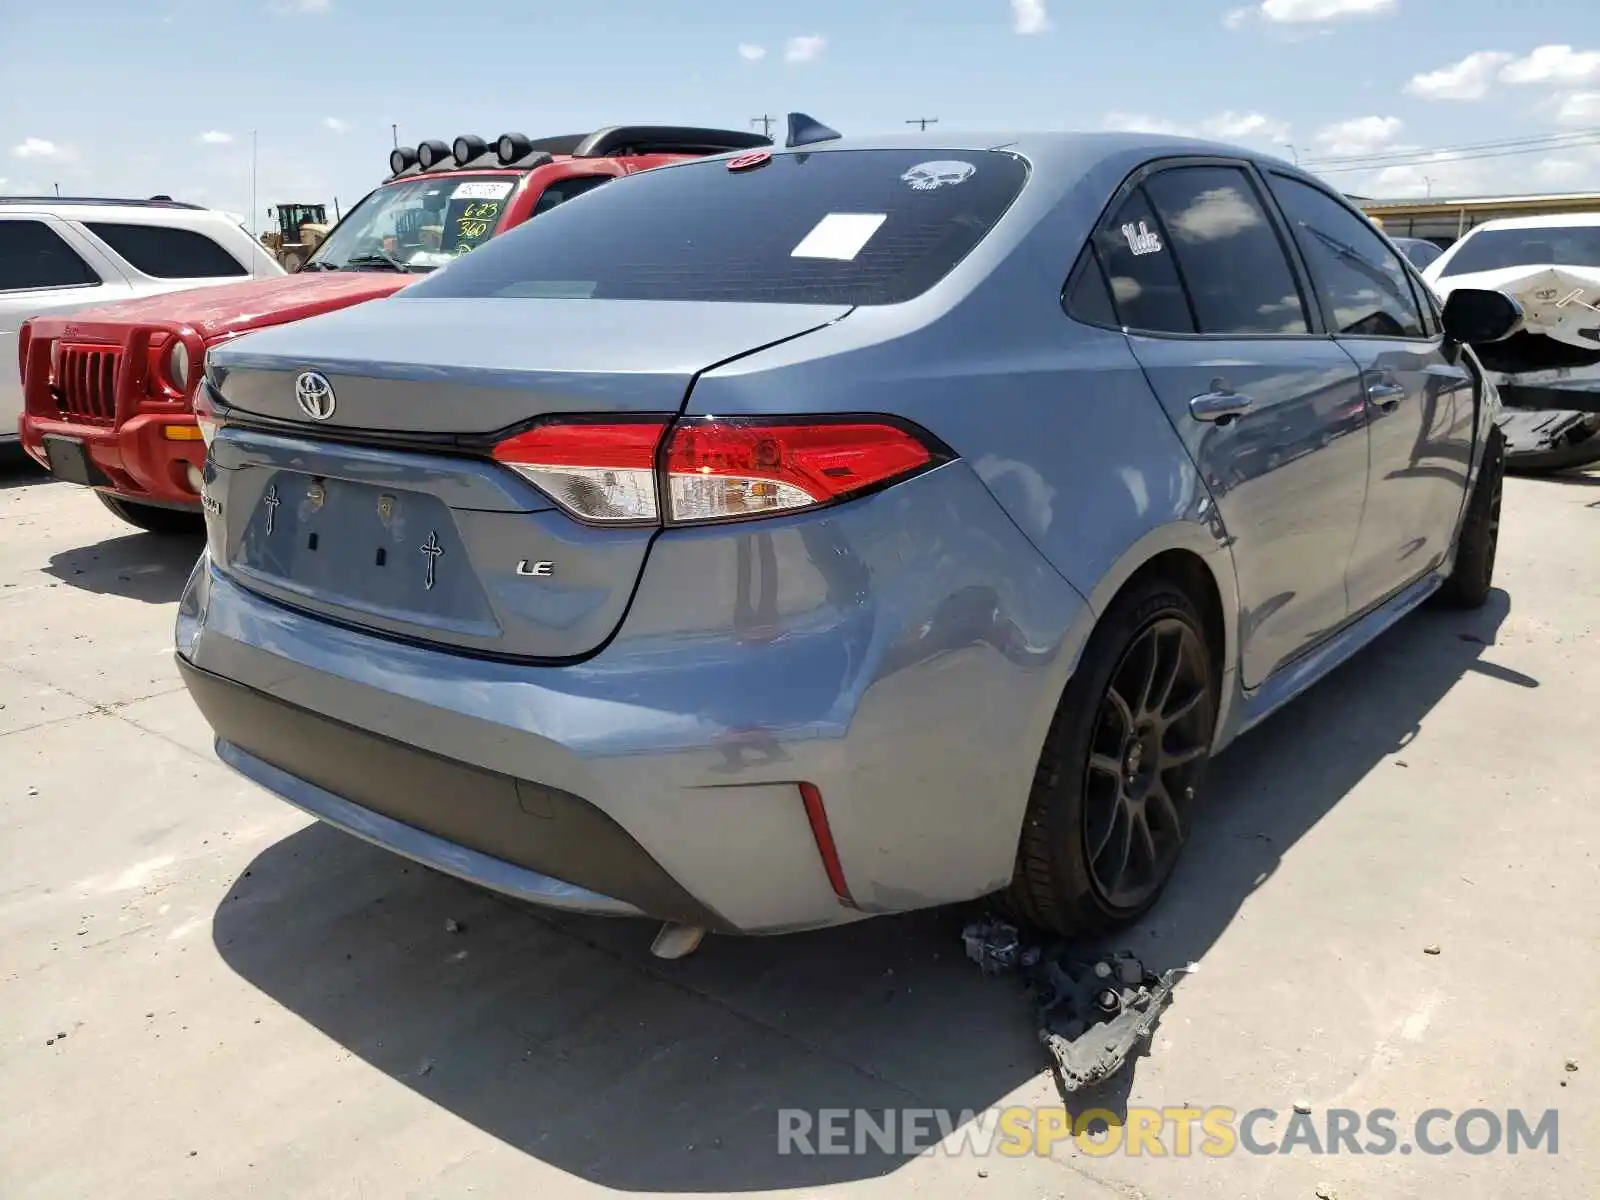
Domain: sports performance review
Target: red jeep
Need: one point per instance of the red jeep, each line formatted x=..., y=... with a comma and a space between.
x=108, y=392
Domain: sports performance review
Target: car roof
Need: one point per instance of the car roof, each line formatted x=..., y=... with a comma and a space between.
x=1092, y=164
x=147, y=212
x=1546, y=221
x=1041, y=144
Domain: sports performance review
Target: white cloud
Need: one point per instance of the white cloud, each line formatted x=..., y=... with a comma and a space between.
x=1574, y=173
x=215, y=137
x=1554, y=64
x=1300, y=11
x=1213, y=215
x=750, y=52
x=335, y=124
x=1244, y=127
x=1140, y=123
x=1237, y=18
x=1469, y=79
x=1225, y=127
x=34, y=147
x=1029, y=16
x=1359, y=135
x=805, y=49
x=1580, y=108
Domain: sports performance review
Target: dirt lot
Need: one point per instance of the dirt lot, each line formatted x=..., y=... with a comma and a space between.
x=203, y=995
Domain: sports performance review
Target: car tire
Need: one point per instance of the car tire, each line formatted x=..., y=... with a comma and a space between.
x=1095, y=797
x=1469, y=581
x=171, y=522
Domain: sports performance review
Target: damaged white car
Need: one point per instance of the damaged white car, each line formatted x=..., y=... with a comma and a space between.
x=1549, y=373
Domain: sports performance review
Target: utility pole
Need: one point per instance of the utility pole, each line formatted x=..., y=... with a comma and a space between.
x=922, y=123
x=254, y=232
x=765, y=122
x=394, y=132
x=58, y=189
x=1427, y=183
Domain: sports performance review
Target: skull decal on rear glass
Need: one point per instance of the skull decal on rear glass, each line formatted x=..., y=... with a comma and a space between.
x=924, y=177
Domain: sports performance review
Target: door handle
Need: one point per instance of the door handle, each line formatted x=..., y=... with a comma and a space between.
x=1221, y=407
x=1386, y=396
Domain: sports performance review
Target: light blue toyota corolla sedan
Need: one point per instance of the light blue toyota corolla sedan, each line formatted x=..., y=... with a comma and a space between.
x=765, y=542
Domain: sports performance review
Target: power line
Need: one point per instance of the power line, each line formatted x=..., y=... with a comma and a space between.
x=1429, y=157
x=923, y=122
x=1504, y=146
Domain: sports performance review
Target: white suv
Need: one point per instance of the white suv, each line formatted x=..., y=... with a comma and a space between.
x=62, y=254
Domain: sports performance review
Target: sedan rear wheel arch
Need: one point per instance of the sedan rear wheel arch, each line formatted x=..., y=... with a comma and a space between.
x=1131, y=740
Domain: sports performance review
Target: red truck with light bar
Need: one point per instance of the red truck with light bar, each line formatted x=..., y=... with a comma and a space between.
x=108, y=393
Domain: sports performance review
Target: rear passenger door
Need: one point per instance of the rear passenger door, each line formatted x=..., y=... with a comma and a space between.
x=1420, y=401
x=1218, y=314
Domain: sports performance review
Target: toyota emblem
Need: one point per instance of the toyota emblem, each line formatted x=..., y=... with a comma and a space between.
x=314, y=394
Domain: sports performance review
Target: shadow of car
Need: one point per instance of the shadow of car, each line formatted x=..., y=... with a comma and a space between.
x=562, y=1037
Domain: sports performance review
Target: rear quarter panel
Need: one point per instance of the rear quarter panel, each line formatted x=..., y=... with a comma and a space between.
x=1056, y=418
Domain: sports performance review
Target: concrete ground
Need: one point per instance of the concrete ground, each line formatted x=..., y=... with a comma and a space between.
x=203, y=995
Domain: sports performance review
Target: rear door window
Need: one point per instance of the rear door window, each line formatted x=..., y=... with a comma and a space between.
x=1139, y=265
x=820, y=227
x=165, y=252
x=1362, y=283
x=32, y=255
x=1228, y=251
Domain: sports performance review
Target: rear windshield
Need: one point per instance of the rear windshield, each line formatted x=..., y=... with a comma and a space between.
x=829, y=227
x=1495, y=249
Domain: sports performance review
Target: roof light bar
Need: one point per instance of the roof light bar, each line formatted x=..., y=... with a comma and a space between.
x=509, y=147
x=468, y=147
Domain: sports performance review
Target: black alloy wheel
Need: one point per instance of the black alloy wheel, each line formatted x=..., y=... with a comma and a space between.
x=1152, y=736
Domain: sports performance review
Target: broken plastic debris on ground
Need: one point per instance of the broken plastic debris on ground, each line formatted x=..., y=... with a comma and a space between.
x=1093, y=1012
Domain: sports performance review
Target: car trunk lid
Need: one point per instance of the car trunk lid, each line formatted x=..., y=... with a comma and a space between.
x=388, y=511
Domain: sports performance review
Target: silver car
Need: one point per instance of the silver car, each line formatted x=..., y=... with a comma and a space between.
x=59, y=255
x=766, y=542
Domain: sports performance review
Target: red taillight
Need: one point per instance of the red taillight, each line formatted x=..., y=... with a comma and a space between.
x=717, y=469
x=597, y=471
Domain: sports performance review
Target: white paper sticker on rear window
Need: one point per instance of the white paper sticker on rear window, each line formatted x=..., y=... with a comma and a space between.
x=483, y=189
x=840, y=236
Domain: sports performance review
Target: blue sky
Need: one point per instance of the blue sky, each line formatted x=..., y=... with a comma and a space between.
x=142, y=96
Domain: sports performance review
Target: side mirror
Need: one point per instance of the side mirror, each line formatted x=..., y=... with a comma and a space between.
x=1476, y=316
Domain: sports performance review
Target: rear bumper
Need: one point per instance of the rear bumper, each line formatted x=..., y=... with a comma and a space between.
x=138, y=459
x=909, y=675
x=435, y=810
